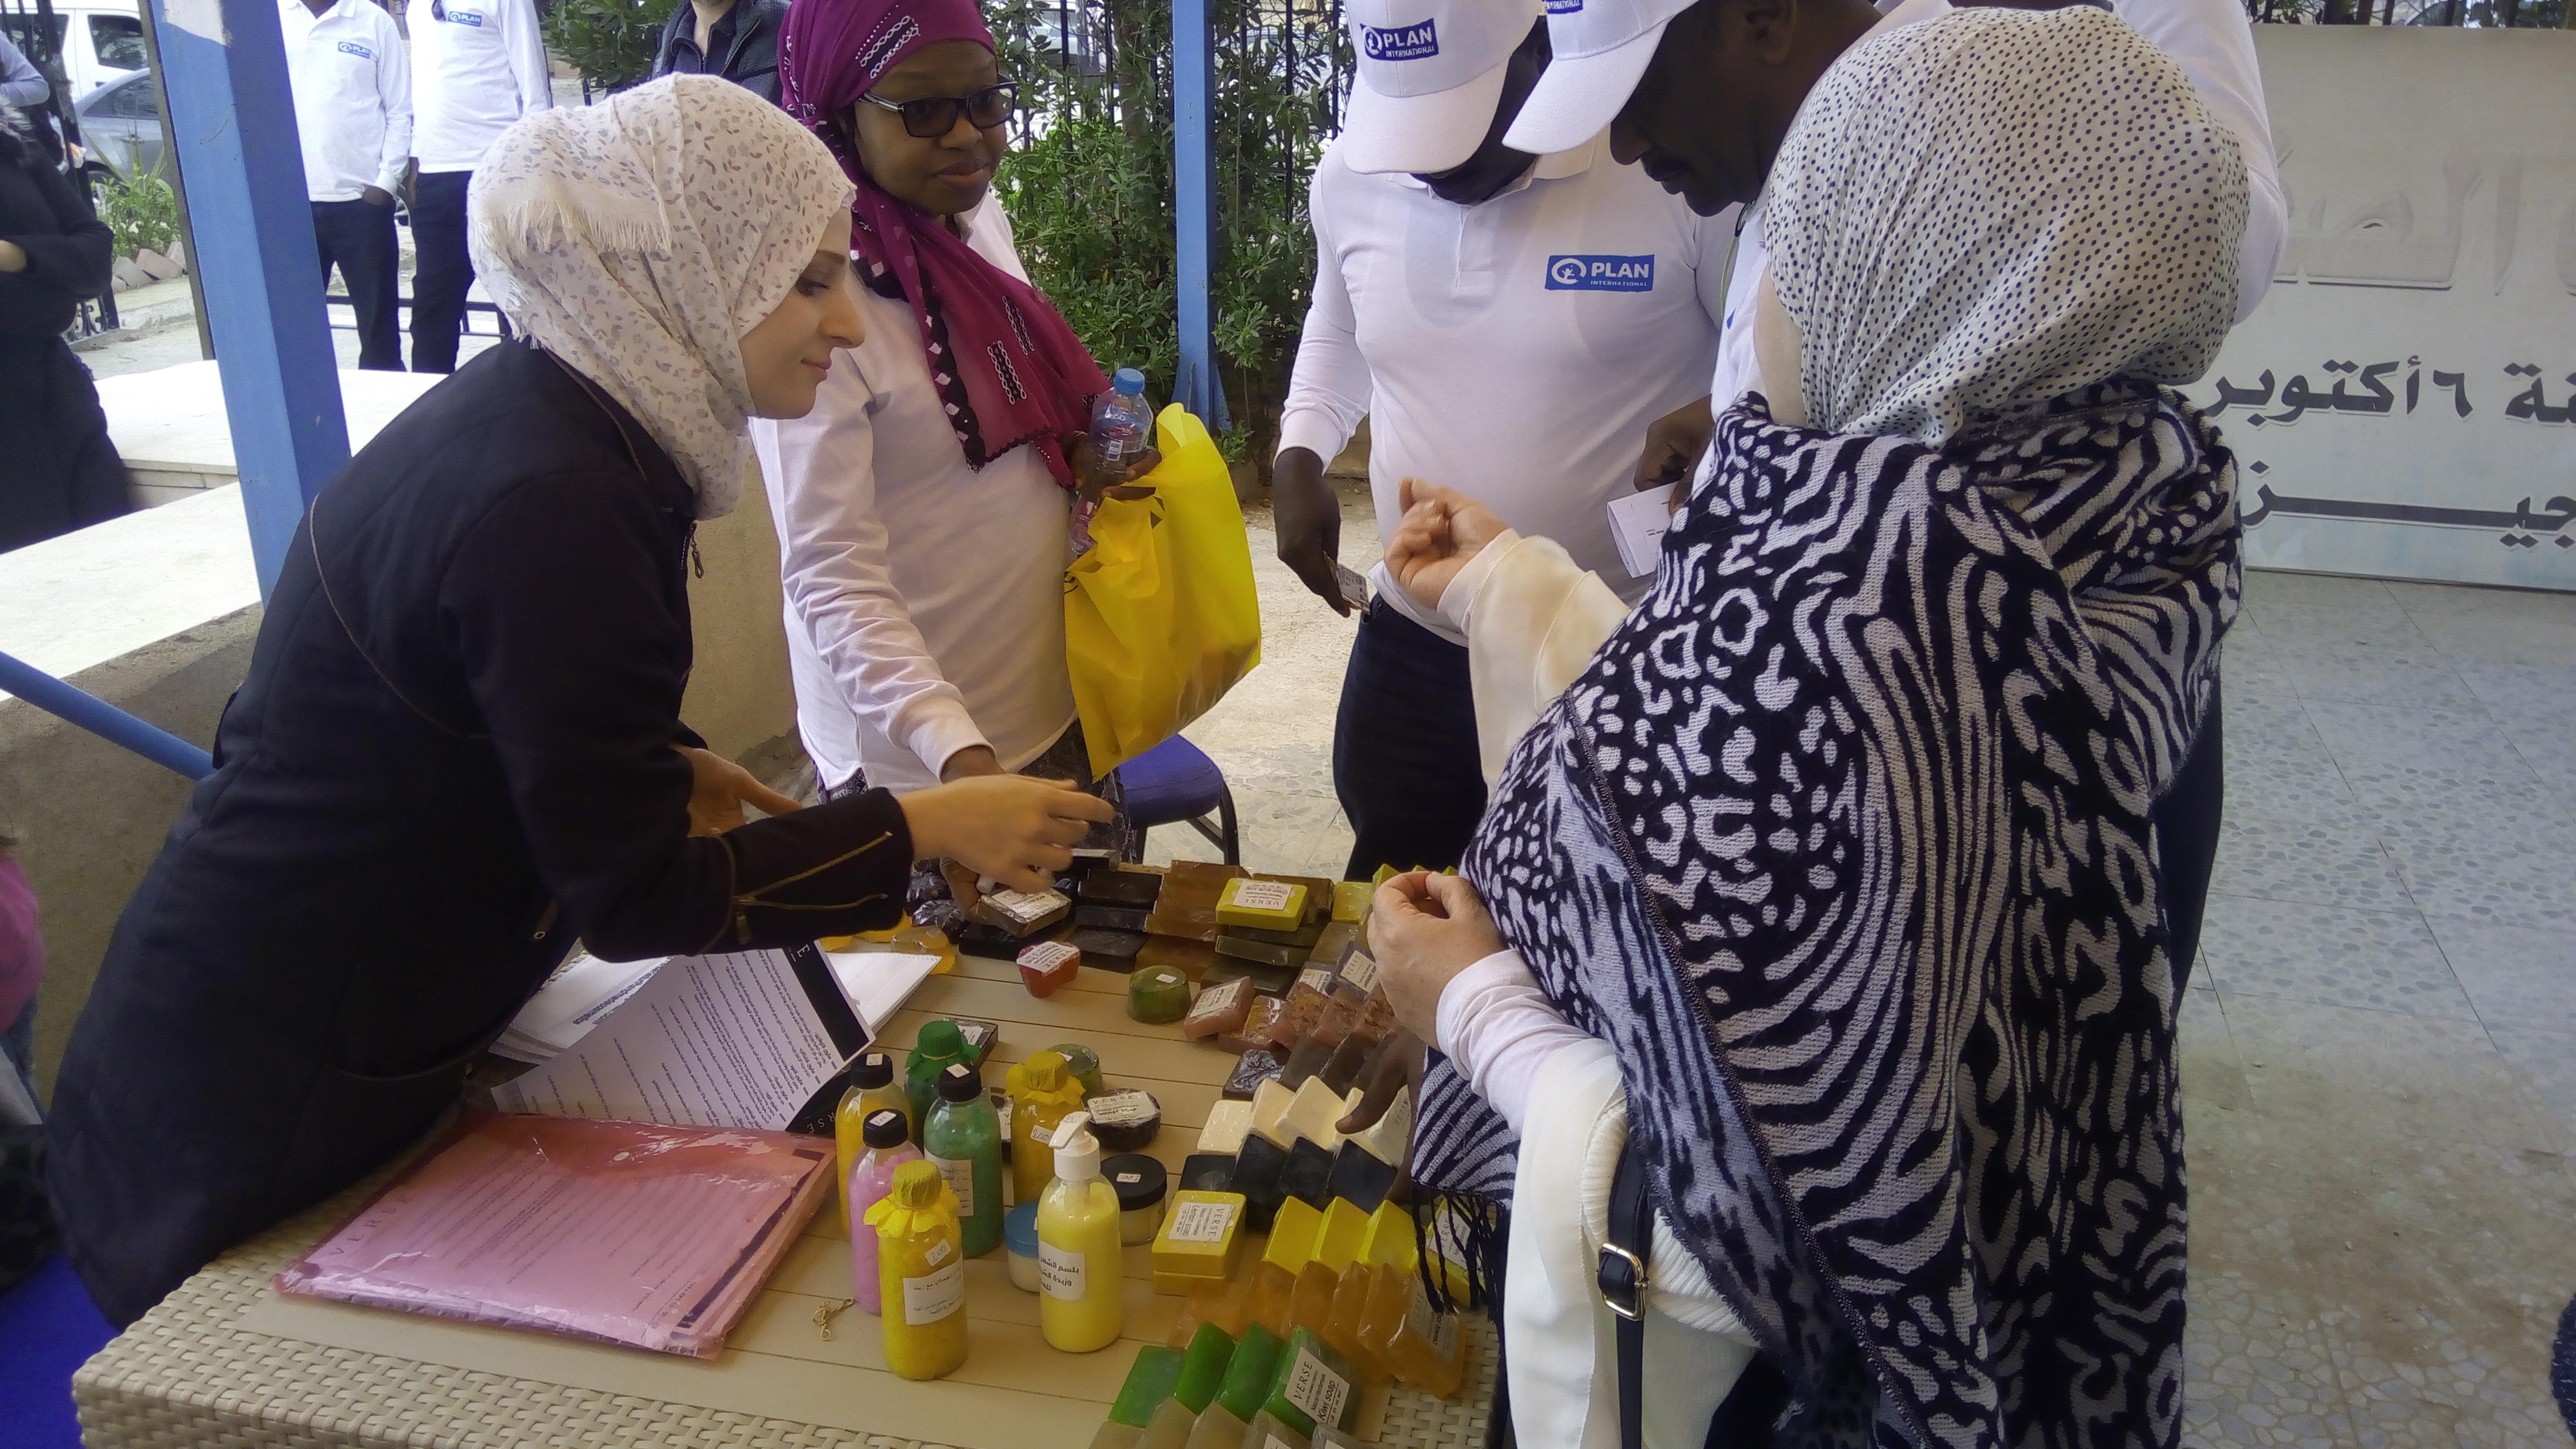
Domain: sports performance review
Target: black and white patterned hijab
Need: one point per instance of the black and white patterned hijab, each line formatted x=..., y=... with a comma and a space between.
x=1842, y=842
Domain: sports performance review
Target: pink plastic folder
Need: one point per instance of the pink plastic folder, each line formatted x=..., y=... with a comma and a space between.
x=623, y=1232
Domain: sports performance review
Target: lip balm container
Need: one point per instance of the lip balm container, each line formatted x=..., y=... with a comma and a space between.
x=1020, y=1240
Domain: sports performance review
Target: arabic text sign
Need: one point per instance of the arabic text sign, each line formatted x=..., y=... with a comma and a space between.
x=2404, y=402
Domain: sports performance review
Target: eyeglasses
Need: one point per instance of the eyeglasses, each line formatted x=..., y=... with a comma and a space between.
x=931, y=117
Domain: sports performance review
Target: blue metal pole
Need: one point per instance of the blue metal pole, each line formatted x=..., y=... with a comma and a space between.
x=224, y=68
x=1193, y=197
x=102, y=719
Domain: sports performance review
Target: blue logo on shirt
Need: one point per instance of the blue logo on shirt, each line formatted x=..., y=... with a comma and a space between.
x=351, y=47
x=1601, y=274
x=1564, y=7
x=1400, y=42
x=464, y=17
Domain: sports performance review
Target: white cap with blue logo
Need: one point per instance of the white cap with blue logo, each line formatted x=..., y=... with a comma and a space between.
x=1601, y=48
x=1430, y=75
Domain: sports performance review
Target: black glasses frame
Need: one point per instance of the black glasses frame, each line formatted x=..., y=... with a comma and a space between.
x=928, y=118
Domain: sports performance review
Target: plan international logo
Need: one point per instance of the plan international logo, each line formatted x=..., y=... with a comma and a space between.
x=1400, y=42
x=1601, y=274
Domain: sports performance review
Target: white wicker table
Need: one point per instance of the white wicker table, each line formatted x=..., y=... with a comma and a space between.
x=225, y=1361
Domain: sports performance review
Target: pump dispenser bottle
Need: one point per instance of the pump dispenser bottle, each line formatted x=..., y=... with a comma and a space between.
x=1081, y=1268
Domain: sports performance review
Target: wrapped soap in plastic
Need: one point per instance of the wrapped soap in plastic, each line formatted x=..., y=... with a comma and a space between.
x=1298, y=1014
x=1254, y=1069
x=1219, y=1009
x=1260, y=1021
x=1048, y=966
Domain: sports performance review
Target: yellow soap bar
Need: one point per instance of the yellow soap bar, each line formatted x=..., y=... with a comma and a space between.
x=1269, y=905
x=1201, y=1237
x=1228, y=1123
x=1351, y=900
x=1344, y=1236
x=1390, y=1242
x=1292, y=1236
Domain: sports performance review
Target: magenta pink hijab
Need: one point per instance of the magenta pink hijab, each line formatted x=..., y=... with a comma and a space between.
x=1005, y=363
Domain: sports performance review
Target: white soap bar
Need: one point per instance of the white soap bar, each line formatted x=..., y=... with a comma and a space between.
x=1312, y=1113
x=1270, y=1106
x=1387, y=1140
x=1228, y=1124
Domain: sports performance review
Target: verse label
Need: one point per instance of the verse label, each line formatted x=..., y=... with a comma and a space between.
x=1200, y=1222
x=1317, y=1391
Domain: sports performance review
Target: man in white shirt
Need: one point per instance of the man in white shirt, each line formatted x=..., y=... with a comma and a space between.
x=477, y=66
x=1511, y=317
x=1703, y=93
x=352, y=85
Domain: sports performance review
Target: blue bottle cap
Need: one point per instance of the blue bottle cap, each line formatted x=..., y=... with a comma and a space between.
x=1129, y=382
x=1020, y=1230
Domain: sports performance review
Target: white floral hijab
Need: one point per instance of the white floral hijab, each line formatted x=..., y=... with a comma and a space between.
x=1983, y=212
x=640, y=238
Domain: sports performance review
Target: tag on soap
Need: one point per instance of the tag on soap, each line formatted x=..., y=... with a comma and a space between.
x=1317, y=1391
x=1200, y=1222
x=1638, y=522
x=1354, y=585
x=1262, y=895
x=1361, y=972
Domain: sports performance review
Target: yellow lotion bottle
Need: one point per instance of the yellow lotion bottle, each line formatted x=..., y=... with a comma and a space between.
x=921, y=1275
x=1081, y=1267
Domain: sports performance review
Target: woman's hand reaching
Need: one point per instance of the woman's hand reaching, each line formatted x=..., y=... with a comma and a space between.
x=1442, y=530
x=719, y=788
x=1018, y=830
x=1424, y=929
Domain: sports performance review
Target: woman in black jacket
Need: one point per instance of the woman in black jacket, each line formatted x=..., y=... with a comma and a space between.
x=63, y=472
x=459, y=746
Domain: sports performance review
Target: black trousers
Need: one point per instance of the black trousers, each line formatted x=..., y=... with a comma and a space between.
x=358, y=238
x=443, y=270
x=1404, y=748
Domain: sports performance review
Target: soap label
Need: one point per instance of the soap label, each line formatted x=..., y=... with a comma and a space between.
x=930, y=1299
x=1361, y=972
x=1317, y=1391
x=1025, y=908
x=1440, y=1330
x=1125, y=1108
x=1319, y=977
x=1218, y=1000
x=1047, y=955
x=1200, y=1222
x=1061, y=1272
x=1262, y=895
x=938, y=1253
x=960, y=1175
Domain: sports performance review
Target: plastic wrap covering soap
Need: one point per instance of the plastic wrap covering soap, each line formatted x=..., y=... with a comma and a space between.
x=622, y=1232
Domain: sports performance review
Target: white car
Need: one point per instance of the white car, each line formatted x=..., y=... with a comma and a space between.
x=98, y=40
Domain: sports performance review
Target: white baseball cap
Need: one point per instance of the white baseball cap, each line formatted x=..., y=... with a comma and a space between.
x=1601, y=47
x=1430, y=75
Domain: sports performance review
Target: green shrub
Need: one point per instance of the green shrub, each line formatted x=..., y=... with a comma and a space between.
x=611, y=42
x=142, y=212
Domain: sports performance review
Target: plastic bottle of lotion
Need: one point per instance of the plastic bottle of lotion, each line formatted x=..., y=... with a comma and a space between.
x=887, y=1147
x=1081, y=1268
x=964, y=1141
x=920, y=1274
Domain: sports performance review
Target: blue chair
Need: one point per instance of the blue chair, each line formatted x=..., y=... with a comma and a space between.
x=1175, y=783
x=48, y=1328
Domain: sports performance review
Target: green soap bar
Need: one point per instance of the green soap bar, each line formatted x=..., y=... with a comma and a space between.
x=1312, y=1384
x=1203, y=1366
x=1158, y=994
x=1228, y=943
x=1248, y=1373
x=1082, y=1064
x=1148, y=1384
x=1302, y=936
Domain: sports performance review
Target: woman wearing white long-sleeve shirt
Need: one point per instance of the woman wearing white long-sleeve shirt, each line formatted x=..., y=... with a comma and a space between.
x=923, y=506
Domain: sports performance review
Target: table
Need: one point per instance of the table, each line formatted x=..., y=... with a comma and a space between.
x=227, y=1361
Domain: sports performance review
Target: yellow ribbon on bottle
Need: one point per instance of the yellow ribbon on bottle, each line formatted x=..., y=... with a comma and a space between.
x=890, y=1216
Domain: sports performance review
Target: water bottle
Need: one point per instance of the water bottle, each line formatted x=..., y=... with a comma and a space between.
x=1122, y=427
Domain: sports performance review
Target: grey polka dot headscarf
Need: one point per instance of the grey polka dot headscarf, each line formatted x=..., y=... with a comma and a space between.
x=1982, y=212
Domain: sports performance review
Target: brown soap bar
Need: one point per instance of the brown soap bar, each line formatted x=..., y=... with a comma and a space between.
x=1231, y=942
x=1190, y=958
x=1299, y=1013
x=1341, y=1016
x=1268, y=980
x=1377, y=1019
x=1334, y=944
x=1303, y=938
x=1249, y=1073
x=1255, y=1033
x=1187, y=906
x=1219, y=1009
x=1307, y=1059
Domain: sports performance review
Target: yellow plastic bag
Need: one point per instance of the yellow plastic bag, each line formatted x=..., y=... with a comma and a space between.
x=1160, y=618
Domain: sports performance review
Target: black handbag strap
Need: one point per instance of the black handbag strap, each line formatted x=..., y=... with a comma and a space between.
x=1622, y=1281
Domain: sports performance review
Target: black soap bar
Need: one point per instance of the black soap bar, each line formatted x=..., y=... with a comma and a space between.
x=1124, y=1120
x=1304, y=1060
x=1208, y=1172
x=1257, y=1175
x=1136, y=888
x=980, y=1036
x=1309, y=1174
x=1253, y=1069
x=977, y=938
x=1360, y=1179
x=1108, y=950
x=1112, y=918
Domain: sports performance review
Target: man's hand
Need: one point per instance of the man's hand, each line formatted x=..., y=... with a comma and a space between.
x=1674, y=443
x=377, y=196
x=1092, y=489
x=719, y=788
x=1309, y=519
x=1442, y=530
x=1424, y=929
x=1396, y=1065
x=1014, y=828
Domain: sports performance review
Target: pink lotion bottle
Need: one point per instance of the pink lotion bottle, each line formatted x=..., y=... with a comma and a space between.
x=889, y=1146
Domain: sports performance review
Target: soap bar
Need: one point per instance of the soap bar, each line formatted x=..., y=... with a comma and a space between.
x=1359, y=1178
x=1340, y=1241
x=1351, y=900
x=1254, y=1034
x=1270, y=1104
x=1272, y=981
x=1319, y=894
x=1308, y=1175
x=1390, y=1241
x=1217, y=1428
x=1112, y=918
x=1304, y=938
x=1311, y=1386
x=1187, y=905
x=1114, y=1435
x=1170, y=1428
x=1303, y=1007
x=1304, y=1061
x=1387, y=1140
x=1292, y=1238
x=1082, y=1063
x=1249, y=1073
x=979, y=1035
x=1311, y=1116
x=1248, y=1373
x=1157, y=995
x=1047, y=966
x=1340, y=1016
x=1334, y=945
x=1203, y=1367
x=1108, y=950
x=1208, y=1172
x=1190, y=958
x=1265, y=904
x=1261, y=953
x=1377, y=1019
x=1227, y=1122
x=1202, y=1236
x=1256, y=1175
x=1022, y=913
x=1124, y=1120
x=976, y=938
x=1129, y=886
x=1219, y=1009
x=1149, y=1383
x=1348, y=1063
x=1265, y=1431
